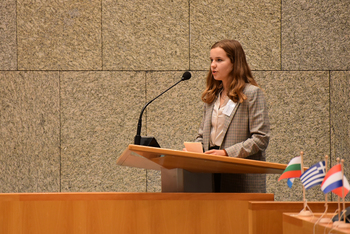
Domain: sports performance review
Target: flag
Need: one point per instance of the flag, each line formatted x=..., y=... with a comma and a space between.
x=314, y=175
x=293, y=169
x=333, y=179
x=339, y=191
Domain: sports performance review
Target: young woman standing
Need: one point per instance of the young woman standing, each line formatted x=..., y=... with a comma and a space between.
x=235, y=120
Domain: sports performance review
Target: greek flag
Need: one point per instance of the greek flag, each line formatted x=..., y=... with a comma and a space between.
x=314, y=175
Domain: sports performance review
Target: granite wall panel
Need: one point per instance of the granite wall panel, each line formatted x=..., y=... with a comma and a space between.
x=59, y=35
x=299, y=117
x=340, y=118
x=8, y=47
x=30, y=132
x=99, y=119
x=145, y=35
x=315, y=35
x=255, y=24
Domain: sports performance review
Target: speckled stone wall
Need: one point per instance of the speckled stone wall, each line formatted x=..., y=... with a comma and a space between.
x=59, y=35
x=8, y=49
x=30, y=131
x=74, y=76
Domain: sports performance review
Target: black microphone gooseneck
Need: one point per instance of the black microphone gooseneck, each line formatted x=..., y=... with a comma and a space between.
x=138, y=140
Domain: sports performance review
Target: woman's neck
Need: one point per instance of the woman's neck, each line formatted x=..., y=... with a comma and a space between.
x=225, y=87
x=224, y=91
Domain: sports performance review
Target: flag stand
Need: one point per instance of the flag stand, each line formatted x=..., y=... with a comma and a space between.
x=325, y=220
x=337, y=223
x=343, y=224
x=304, y=212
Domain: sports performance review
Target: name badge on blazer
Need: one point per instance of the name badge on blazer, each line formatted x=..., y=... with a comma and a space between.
x=229, y=108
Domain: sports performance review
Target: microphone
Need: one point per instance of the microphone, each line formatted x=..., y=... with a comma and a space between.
x=151, y=141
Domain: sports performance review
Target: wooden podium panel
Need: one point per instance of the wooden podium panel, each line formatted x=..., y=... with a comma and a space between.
x=184, y=171
x=129, y=213
x=304, y=225
x=156, y=158
x=266, y=217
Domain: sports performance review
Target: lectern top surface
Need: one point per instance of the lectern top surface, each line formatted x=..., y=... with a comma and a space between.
x=156, y=158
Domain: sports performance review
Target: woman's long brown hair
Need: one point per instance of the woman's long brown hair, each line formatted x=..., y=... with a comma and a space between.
x=240, y=74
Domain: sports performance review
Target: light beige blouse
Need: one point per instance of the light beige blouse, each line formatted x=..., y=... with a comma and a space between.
x=217, y=122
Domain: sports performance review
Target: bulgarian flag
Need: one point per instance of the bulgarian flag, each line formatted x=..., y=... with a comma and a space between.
x=293, y=169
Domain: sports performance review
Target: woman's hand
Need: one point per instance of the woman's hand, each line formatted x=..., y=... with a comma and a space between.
x=216, y=152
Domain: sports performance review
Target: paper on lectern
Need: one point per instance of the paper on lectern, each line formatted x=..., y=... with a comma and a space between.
x=194, y=147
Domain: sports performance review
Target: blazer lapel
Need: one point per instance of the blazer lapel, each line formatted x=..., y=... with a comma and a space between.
x=207, y=127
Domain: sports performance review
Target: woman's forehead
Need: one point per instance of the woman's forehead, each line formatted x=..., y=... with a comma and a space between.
x=217, y=52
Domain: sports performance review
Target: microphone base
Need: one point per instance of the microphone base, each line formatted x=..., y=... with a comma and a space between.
x=146, y=141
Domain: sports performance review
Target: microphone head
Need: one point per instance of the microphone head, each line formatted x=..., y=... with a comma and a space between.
x=186, y=76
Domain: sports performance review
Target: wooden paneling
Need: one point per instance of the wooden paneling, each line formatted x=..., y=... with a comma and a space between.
x=126, y=213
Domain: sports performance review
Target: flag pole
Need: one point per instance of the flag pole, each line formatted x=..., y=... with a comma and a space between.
x=325, y=220
x=343, y=193
x=303, y=212
x=338, y=159
x=336, y=223
x=343, y=225
x=326, y=197
x=302, y=171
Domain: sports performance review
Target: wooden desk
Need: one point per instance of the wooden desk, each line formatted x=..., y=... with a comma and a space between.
x=266, y=217
x=305, y=225
x=129, y=213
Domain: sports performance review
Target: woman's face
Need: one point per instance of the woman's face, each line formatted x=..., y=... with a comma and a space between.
x=221, y=65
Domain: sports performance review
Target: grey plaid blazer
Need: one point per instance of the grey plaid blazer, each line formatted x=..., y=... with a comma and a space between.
x=247, y=136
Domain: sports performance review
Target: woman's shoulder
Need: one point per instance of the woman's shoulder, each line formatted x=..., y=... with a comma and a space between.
x=251, y=89
x=209, y=105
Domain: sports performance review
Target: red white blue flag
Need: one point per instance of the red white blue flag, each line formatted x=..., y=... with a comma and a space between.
x=334, y=180
x=339, y=191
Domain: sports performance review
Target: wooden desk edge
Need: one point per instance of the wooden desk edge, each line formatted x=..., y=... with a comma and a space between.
x=134, y=196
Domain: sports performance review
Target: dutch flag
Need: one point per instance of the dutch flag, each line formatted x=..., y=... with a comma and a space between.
x=333, y=181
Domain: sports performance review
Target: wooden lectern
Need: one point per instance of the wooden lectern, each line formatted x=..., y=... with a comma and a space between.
x=183, y=171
